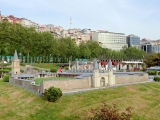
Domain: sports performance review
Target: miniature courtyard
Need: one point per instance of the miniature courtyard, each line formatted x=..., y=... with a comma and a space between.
x=80, y=77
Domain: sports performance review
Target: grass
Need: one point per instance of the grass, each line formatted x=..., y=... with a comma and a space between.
x=19, y=104
x=39, y=80
x=45, y=65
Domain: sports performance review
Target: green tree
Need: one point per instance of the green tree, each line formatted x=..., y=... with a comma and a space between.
x=133, y=53
x=84, y=51
x=67, y=47
x=152, y=59
x=94, y=48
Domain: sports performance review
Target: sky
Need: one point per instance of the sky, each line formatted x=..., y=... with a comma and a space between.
x=139, y=17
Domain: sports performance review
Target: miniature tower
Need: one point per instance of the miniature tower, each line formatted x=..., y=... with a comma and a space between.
x=111, y=77
x=96, y=82
x=15, y=64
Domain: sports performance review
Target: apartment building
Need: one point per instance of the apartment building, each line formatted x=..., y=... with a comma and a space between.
x=133, y=41
x=110, y=40
x=150, y=46
x=76, y=35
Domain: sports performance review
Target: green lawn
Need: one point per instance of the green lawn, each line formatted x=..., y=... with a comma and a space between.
x=19, y=104
x=39, y=80
x=45, y=65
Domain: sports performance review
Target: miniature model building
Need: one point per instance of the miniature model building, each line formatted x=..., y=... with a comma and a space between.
x=29, y=72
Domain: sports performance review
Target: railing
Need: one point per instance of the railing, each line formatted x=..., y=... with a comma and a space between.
x=41, y=59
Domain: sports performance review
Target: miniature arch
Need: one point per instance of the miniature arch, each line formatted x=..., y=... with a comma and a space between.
x=102, y=81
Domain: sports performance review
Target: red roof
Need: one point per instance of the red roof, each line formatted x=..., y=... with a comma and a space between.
x=114, y=63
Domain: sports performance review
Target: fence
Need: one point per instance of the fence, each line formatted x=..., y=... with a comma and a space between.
x=40, y=59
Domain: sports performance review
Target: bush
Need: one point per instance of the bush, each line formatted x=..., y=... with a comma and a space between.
x=151, y=72
x=6, y=78
x=110, y=113
x=4, y=71
x=6, y=64
x=53, y=70
x=36, y=69
x=157, y=78
x=52, y=94
x=66, y=68
x=22, y=71
x=37, y=61
x=22, y=64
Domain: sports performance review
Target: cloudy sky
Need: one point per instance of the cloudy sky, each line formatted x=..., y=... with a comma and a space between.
x=139, y=17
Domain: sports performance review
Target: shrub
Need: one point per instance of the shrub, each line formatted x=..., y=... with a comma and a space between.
x=4, y=70
x=52, y=94
x=151, y=72
x=110, y=113
x=6, y=64
x=157, y=78
x=36, y=69
x=22, y=64
x=66, y=68
x=22, y=71
x=6, y=78
x=53, y=70
x=38, y=61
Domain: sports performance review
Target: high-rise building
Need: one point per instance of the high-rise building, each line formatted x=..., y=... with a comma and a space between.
x=133, y=40
x=150, y=48
x=110, y=40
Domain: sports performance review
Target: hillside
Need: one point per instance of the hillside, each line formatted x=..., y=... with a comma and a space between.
x=19, y=104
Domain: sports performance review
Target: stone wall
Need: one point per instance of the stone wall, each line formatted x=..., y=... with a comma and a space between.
x=77, y=83
x=66, y=84
x=131, y=78
x=27, y=84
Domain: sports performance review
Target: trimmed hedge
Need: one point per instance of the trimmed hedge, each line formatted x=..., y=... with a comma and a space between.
x=36, y=69
x=6, y=78
x=153, y=72
x=52, y=94
x=22, y=71
x=157, y=78
x=53, y=70
x=22, y=64
x=4, y=70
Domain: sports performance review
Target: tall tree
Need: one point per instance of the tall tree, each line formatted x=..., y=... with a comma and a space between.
x=94, y=48
x=84, y=51
x=152, y=59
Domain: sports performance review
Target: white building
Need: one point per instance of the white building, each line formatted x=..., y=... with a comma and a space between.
x=110, y=40
x=28, y=23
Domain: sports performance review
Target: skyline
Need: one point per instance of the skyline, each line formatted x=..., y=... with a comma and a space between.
x=140, y=18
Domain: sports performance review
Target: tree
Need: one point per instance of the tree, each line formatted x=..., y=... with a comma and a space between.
x=152, y=59
x=45, y=44
x=67, y=47
x=133, y=53
x=84, y=51
x=94, y=48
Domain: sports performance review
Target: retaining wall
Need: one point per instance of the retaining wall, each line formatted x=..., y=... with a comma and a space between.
x=131, y=78
x=27, y=84
x=66, y=84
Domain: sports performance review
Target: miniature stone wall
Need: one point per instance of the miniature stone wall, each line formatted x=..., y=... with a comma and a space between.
x=27, y=84
x=131, y=78
x=78, y=83
x=66, y=84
